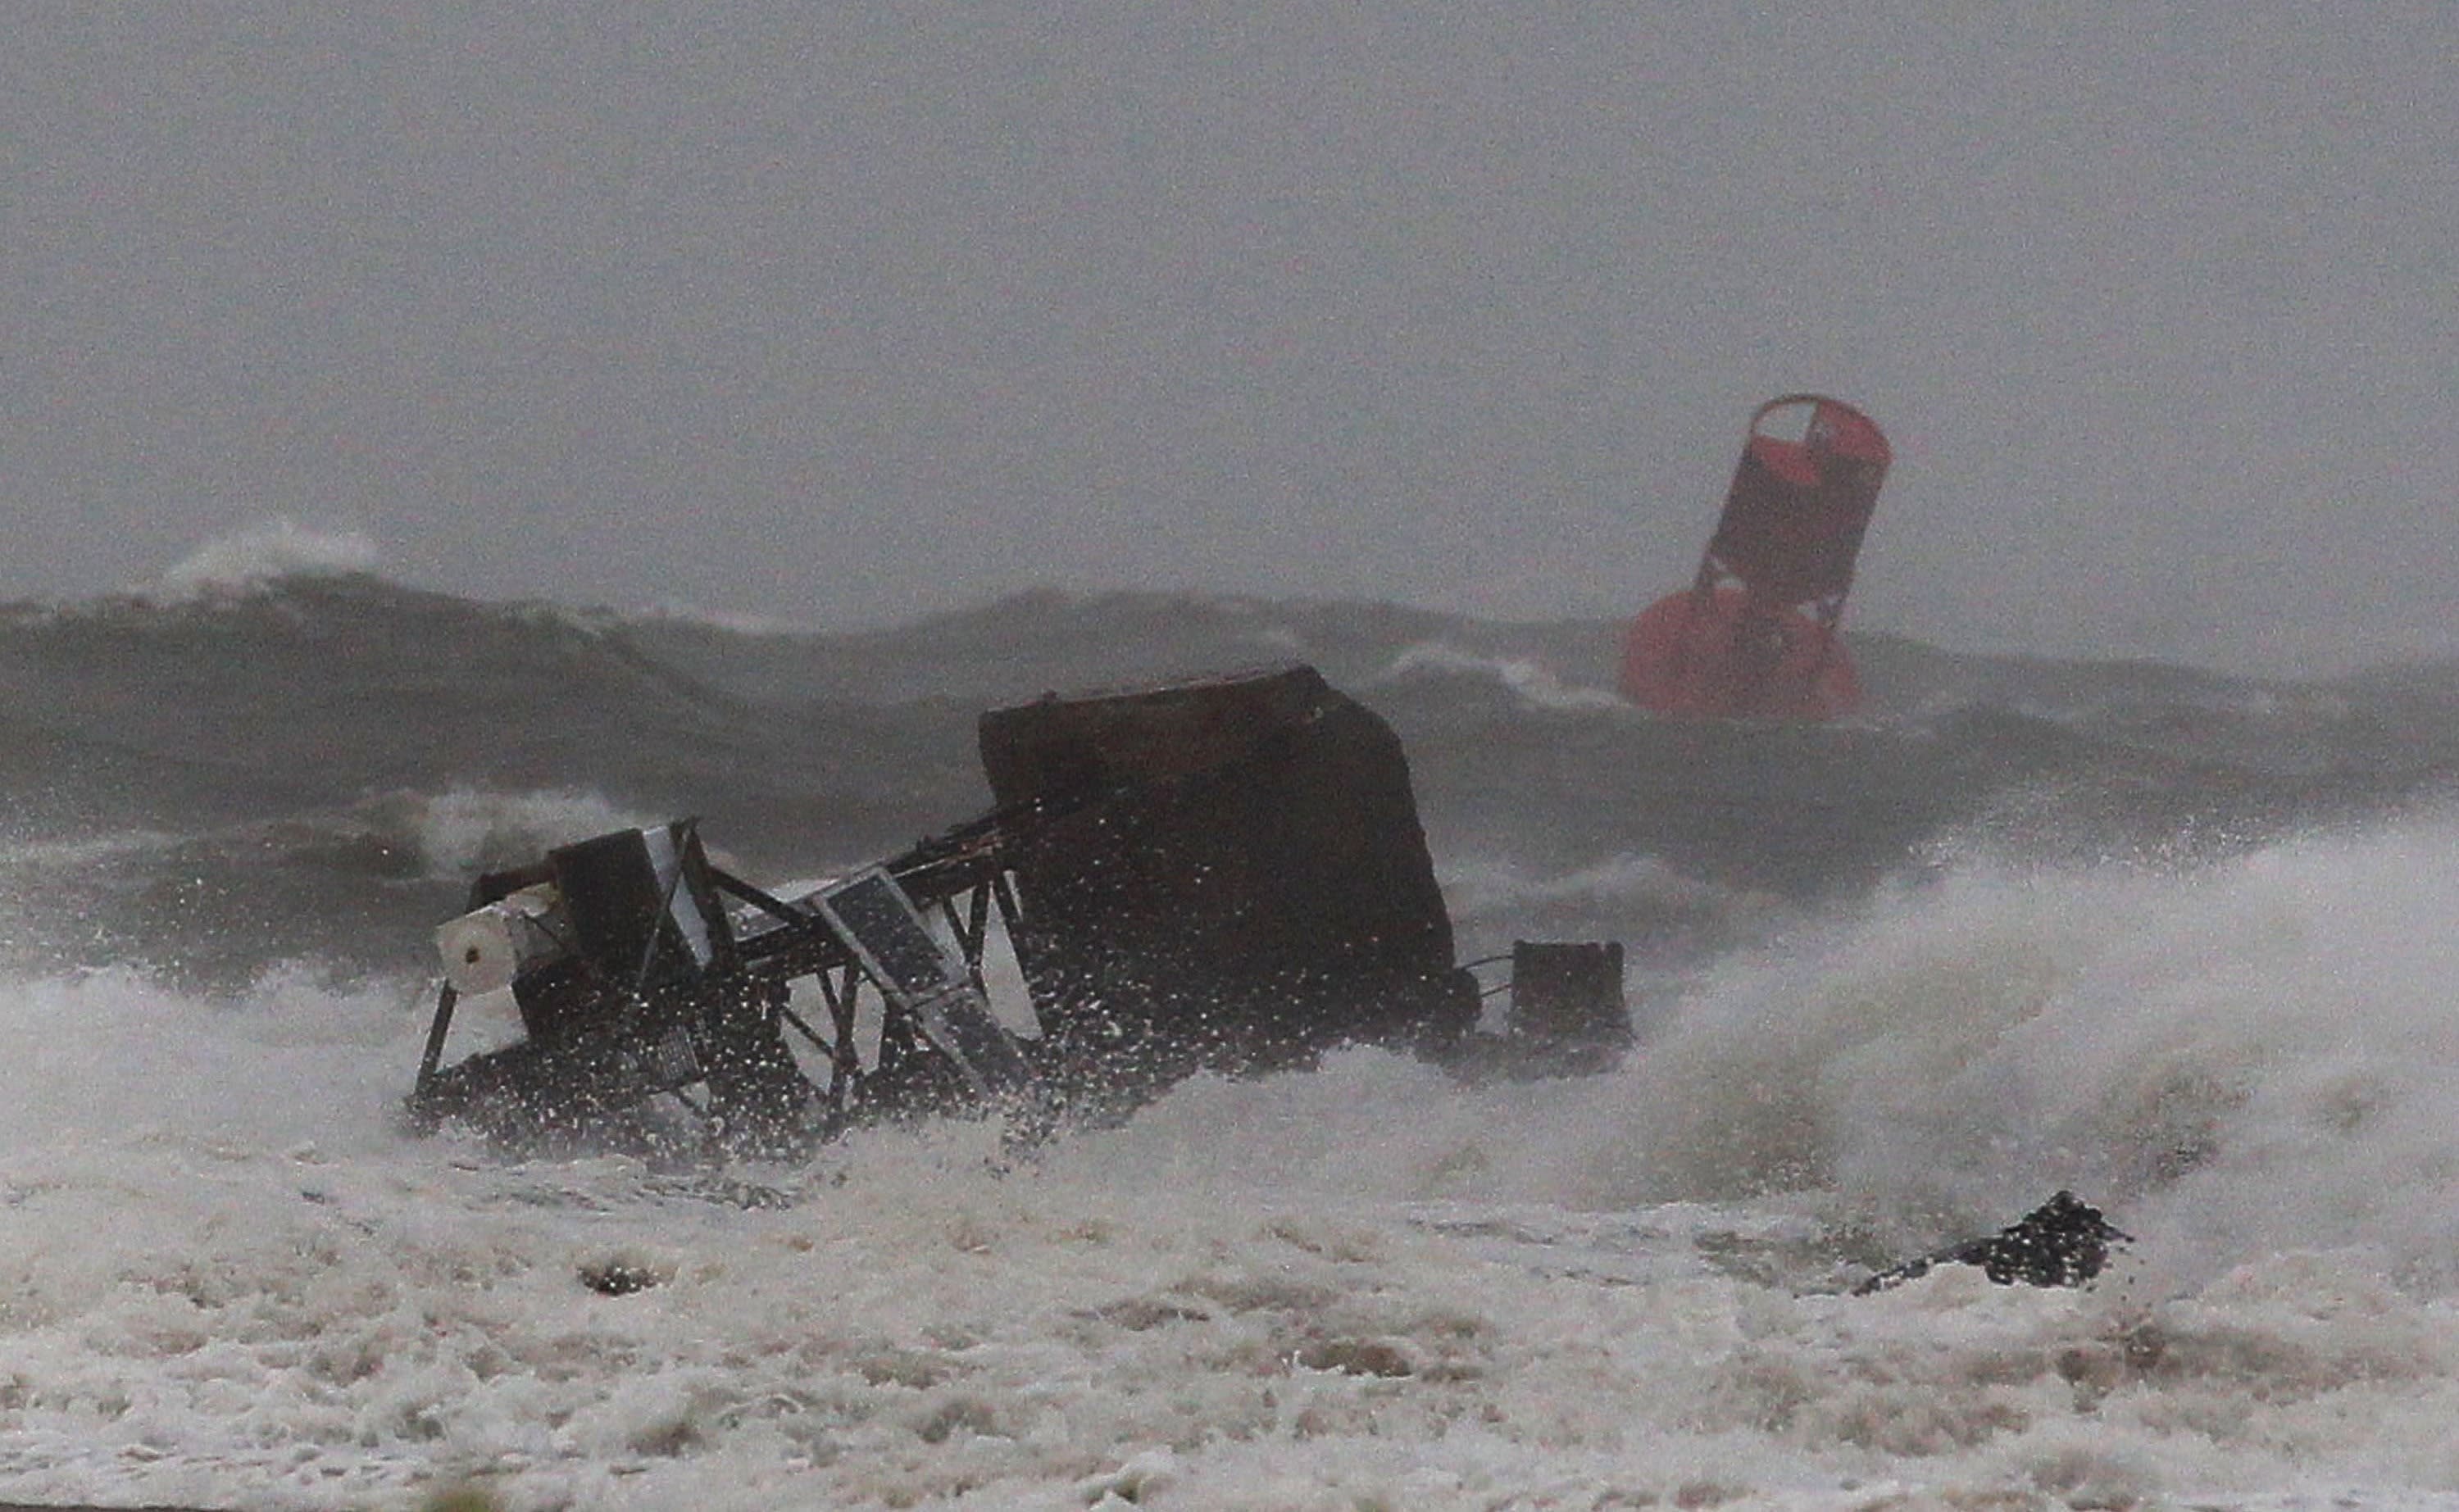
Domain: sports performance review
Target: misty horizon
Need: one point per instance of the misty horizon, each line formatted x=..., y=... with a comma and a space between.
x=844, y=319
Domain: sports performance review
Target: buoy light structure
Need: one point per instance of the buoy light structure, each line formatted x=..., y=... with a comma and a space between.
x=1755, y=634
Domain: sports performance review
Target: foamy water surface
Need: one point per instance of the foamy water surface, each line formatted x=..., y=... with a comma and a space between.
x=225, y=1280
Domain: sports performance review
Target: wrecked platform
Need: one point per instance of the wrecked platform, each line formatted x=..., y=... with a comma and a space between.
x=1224, y=875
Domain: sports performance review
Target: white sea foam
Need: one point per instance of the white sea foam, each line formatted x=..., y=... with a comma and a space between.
x=2252, y=1056
x=1534, y=684
x=733, y=622
x=265, y=553
x=1477, y=888
x=463, y=830
x=223, y=1279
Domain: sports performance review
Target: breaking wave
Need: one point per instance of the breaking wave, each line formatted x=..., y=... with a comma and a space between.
x=2178, y=944
x=1534, y=682
x=263, y=554
x=2252, y=1056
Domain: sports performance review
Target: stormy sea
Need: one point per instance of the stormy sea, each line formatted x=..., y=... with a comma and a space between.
x=2181, y=944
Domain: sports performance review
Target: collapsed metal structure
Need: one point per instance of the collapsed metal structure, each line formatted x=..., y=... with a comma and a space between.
x=1225, y=874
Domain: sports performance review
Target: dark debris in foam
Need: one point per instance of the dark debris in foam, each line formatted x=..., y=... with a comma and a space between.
x=2064, y=1242
x=617, y=1278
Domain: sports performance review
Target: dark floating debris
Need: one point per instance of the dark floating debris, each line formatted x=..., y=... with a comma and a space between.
x=1221, y=875
x=2064, y=1242
x=619, y=1277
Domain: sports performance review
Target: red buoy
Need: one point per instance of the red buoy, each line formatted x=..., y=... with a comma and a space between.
x=1756, y=634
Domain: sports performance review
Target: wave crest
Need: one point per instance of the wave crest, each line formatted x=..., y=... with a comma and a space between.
x=1534, y=684
x=257, y=555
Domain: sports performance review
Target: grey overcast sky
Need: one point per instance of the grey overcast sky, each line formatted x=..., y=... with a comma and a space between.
x=844, y=313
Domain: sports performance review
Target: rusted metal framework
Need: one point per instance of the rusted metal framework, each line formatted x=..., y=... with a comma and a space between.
x=1227, y=875
x=619, y=1012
